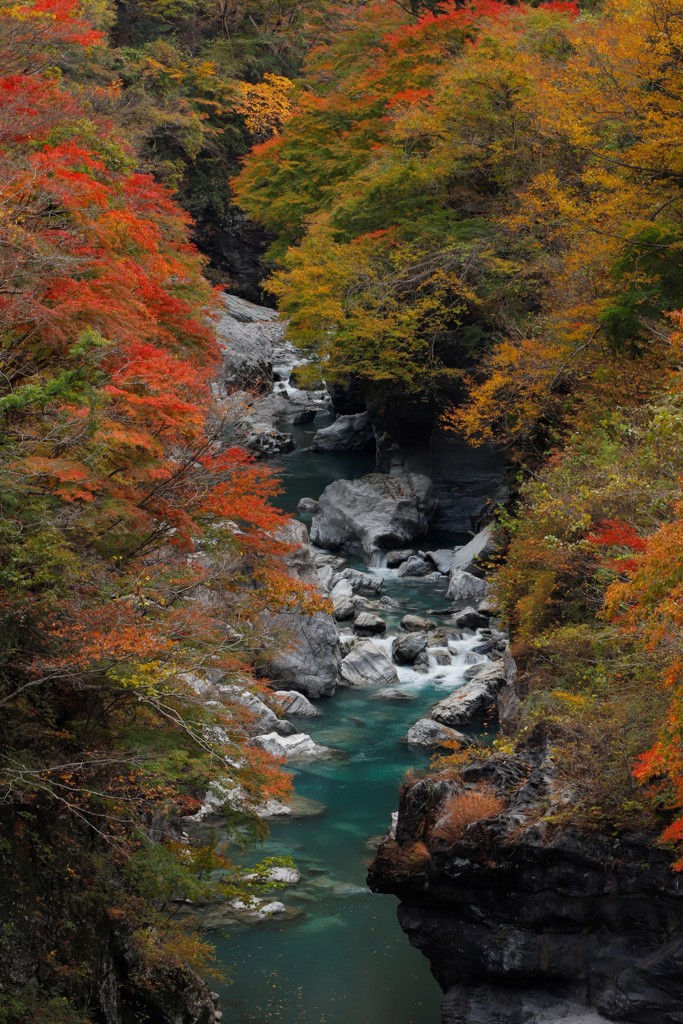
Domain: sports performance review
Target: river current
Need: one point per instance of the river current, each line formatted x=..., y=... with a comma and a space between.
x=339, y=957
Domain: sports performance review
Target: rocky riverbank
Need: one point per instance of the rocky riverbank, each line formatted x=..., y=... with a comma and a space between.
x=525, y=922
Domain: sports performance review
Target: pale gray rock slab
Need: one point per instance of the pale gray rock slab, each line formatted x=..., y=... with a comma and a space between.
x=463, y=586
x=367, y=665
x=470, y=556
x=442, y=559
x=299, y=747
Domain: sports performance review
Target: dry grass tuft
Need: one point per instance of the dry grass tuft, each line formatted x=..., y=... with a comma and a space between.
x=463, y=809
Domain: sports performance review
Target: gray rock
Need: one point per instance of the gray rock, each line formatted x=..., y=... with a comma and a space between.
x=291, y=702
x=347, y=433
x=367, y=665
x=442, y=559
x=415, y=623
x=405, y=649
x=470, y=618
x=299, y=747
x=372, y=513
x=476, y=698
x=308, y=505
x=421, y=663
x=369, y=622
x=441, y=655
x=428, y=733
x=342, y=599
x=363, y=583
x=473, y=555
x=463, y=586
x=414, y=566
x=263, y=718
x=247, y=334
x=311, y=662
x=396, y=558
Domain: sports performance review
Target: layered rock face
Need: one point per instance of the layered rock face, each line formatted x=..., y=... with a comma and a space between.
x=525, y=923
x=310, y=662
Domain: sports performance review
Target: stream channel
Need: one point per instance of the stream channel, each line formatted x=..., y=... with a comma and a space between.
x=344, y=958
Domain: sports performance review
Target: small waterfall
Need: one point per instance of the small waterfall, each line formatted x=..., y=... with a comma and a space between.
x=378, y=559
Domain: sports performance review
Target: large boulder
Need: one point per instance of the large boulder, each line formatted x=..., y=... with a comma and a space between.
x=406, y=648
x=476, y=699
x=428, y=733
x=261, y=717
x=470, y=618
x=247, y=335
x=367, y=665
x=373, y=513
x=348, y=433
x=310, y=662
x=464, y=587
x=369, y=622
x=473, y=555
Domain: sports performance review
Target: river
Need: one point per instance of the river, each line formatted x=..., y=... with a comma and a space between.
x=343, y=958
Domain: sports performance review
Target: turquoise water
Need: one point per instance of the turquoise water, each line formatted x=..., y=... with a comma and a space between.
x=342, y=959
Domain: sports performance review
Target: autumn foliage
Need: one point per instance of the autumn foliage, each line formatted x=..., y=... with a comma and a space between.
x=137, y=543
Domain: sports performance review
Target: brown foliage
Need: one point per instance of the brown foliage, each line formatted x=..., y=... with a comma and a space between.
x=463, y=809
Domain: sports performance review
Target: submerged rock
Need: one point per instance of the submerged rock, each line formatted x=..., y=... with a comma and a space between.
x=347, y=433
x=367, y=665
x=373, y=512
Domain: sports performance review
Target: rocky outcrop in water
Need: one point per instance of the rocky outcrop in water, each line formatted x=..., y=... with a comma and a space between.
x=373, y=513
x=347, y=433
x=528, y=923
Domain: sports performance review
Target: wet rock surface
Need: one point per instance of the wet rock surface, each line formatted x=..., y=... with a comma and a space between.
x=528, y=924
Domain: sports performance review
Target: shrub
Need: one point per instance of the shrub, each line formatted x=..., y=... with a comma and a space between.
x=463, y=809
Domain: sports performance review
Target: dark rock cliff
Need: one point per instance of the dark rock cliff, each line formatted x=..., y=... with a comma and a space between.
x=526, y=923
